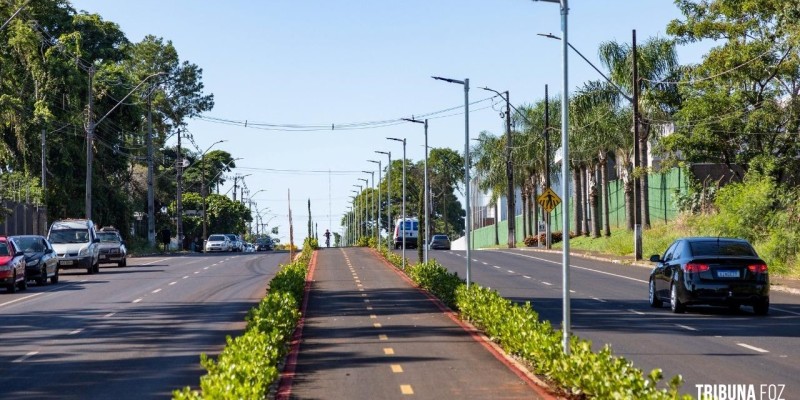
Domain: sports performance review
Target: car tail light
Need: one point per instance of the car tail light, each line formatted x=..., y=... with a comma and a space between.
x=696, y=267
x=757, y=268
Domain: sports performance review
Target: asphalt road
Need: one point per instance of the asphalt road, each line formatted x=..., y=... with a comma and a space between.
x=127, y=333
x=706, y=345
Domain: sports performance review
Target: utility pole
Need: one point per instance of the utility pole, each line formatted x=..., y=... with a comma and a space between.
x=235, y=186
x=548, y=229
x=89, y=146
x=637, y=161
x=151, y=218
x=44, y=177
x=510, y=195
x=179, y=200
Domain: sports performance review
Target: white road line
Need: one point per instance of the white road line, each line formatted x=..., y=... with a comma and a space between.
x=526, y=276
x=186, y=277
x=137, y=300
x=156, y=291
x=583, y=268
x=153, y=262
x=688, y=328
x=636, y=312
x=205, y=268
x=109, y=315
x=496, y=266
x=774, y=308
x=571, y=291
x=754, y=348
x=20, y=299
x=76, y=331
x=26, y=356
x=196, y=272
x=484, y=263
x=510, y=271
x=547, y=283
x=600, y=300
x=172, y=283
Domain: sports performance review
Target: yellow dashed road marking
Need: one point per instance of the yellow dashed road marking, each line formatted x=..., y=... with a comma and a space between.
x=397, y=369
x=377, y=325
x=406, y=389
x=373, y=316
x=388, y=351
x=369, y=307
x=383, y=337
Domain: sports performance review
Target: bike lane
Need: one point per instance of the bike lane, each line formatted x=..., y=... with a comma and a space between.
x=368, y=333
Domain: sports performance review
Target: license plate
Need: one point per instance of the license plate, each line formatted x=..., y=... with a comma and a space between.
x=66, y=262
x=728, y=274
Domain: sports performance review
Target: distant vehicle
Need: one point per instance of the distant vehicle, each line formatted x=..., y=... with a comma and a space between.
x=264, y=244
x=411, y=232
x=236, y=242
x=76, y=244
x=12, y=266
x=41, y=262
x=712, y=271
x=218, y=242
x=249, y=248
x=112, y=247
x=440, y=242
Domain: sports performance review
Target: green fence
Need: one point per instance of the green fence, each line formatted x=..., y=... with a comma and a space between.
x=662, y=189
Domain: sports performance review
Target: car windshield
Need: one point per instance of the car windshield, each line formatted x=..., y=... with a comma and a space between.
x=69, y=236
x=4, y=249
x=108, y=237
x=439, y=237
x=231, y=237
x=29, y=244
x=216, y=238
x=721, y=248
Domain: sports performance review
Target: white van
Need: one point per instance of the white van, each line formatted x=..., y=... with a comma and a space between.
x=411, y=232
x=76, y=244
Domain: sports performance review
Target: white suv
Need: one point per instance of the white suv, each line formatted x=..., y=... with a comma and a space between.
x=76, y=244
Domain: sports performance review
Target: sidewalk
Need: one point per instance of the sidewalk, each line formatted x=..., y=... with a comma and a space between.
x=777, y=283
x=368, y=333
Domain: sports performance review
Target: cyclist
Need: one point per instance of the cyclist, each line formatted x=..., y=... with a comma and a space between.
x=327, y=238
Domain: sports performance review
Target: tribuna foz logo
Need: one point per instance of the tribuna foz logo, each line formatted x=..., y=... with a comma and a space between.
x=740, y=392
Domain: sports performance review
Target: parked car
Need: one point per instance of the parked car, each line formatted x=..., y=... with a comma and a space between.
x=112, y=247
x=41, y=262
x=76, y=244
x=249, y=248
x=265, y=244
x=236, y=242
x=218, y=242
x=12, y=266
x=711, y=271
x=440, y=242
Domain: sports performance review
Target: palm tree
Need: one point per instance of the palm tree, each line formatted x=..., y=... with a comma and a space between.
x=656, y=61
x=490, y=167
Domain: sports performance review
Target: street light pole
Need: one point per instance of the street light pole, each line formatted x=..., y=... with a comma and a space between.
x=465, y=83
x=403, y=219
x=379, y=198
x=364, y=202
x=203, y=189
x=426, y=187
x=389, y=221
x=565, y=174
x=511, y=208
x=372, y=206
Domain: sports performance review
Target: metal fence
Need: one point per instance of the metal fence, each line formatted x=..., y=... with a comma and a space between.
x=22, y=219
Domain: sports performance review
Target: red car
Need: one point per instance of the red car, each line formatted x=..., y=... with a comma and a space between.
x=12, y=266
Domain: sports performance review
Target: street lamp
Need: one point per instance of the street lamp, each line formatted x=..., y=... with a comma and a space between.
x=426, y=189
x=403, y=219
x=390, y=230
x=511, y=208
x=250, y=205
x=465, y=83
x=564, y=174
x=203, y=189
x=372, y=206
x=361, y=204
x=379, y=198
x=364, y=202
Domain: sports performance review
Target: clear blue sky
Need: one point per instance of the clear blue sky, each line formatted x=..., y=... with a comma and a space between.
x=324, y=62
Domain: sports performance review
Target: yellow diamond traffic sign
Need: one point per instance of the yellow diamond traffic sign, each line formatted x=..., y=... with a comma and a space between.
x=548, y=200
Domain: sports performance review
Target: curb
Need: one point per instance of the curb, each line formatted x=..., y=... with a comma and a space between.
x=288, y=373
x=540, y=387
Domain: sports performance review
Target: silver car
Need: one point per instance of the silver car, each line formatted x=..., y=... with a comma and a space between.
x=217, y=242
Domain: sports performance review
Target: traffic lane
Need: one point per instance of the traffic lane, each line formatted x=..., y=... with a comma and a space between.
x=604, y=310
x=147, y=344
x=369, y=334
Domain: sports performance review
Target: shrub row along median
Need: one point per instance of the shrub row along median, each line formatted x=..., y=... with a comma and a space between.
x=517, y=329
x=248, y=364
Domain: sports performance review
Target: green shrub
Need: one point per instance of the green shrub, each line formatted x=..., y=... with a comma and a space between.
x=436, y=279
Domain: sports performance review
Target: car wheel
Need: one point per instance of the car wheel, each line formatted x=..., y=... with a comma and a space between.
x=674, y=302
x=12, y=287
x=54, y=278
x=42, y=280
x=90, y=270
x=761, y=308
x=23, y=285
x=655, y=302
x=97, y=267
x=123, y=263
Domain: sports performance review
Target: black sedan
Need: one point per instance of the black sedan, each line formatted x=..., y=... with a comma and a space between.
x=440, y=242
x=711, y=271
x=41, y=262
